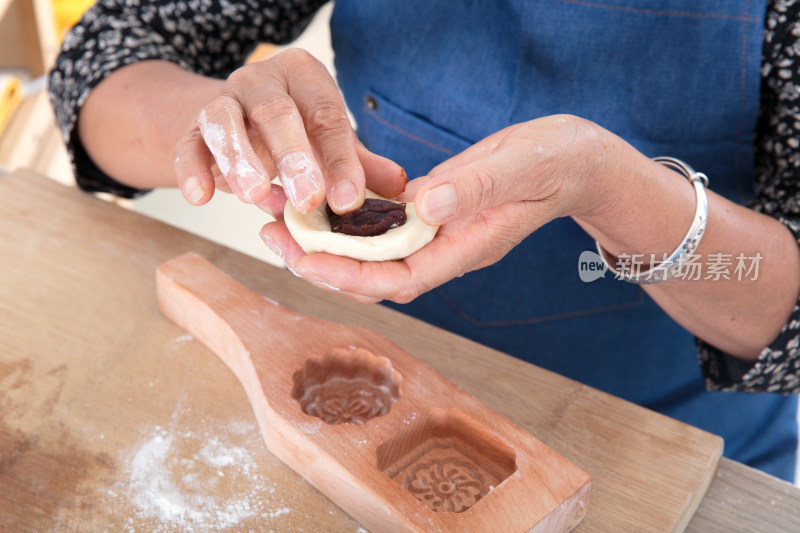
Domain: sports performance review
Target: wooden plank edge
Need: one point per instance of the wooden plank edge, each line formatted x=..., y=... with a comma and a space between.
x=700, y=491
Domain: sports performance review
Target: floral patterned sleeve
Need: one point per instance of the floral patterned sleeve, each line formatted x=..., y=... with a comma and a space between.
x=209, y=37
x=778, y=195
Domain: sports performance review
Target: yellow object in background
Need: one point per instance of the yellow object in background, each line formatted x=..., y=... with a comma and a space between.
x=10, y=98
x=67, y=13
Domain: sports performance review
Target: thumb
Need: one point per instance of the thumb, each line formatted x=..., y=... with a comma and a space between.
x=469, y=189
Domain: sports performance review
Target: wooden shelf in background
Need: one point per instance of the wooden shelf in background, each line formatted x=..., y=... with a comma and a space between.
x=31, y=139
x=4, y=5
x=27, y=35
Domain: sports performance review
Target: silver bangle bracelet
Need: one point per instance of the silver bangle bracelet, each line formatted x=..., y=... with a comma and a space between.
x=684, y=253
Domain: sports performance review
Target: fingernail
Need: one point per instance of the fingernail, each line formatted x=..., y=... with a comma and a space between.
x=344, y=196
x=248, y=193
x=301, y=190
x=296, y=171
x=193, y=190
x=248, y=178
x=272, y=245
x=439, y=203
x=404, y=177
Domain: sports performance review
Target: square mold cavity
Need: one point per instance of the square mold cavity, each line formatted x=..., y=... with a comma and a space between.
x=447, y=460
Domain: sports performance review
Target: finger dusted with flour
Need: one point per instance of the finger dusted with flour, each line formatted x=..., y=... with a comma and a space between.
x=223, y=129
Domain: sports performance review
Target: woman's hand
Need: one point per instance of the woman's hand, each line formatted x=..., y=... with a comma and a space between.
x=487, y=199
x=498, y=191
x=281, y=117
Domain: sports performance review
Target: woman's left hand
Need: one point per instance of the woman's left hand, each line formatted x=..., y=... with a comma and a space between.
x=487, y=200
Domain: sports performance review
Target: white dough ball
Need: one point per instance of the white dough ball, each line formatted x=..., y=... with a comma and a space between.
x=312, y=231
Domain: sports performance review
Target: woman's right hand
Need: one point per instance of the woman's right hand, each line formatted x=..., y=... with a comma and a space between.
x=281, y=117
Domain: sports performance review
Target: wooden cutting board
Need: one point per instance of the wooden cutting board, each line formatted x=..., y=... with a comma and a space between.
x=113, y=418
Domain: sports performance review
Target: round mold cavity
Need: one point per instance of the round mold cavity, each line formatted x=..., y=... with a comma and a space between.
x=346, y=386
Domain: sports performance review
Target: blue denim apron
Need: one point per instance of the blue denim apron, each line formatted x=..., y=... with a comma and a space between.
x=425, y=79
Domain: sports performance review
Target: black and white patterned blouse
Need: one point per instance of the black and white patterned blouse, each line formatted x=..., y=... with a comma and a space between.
x=213, y=37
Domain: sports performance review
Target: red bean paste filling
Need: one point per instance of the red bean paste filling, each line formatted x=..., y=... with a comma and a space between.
x=375, y=217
